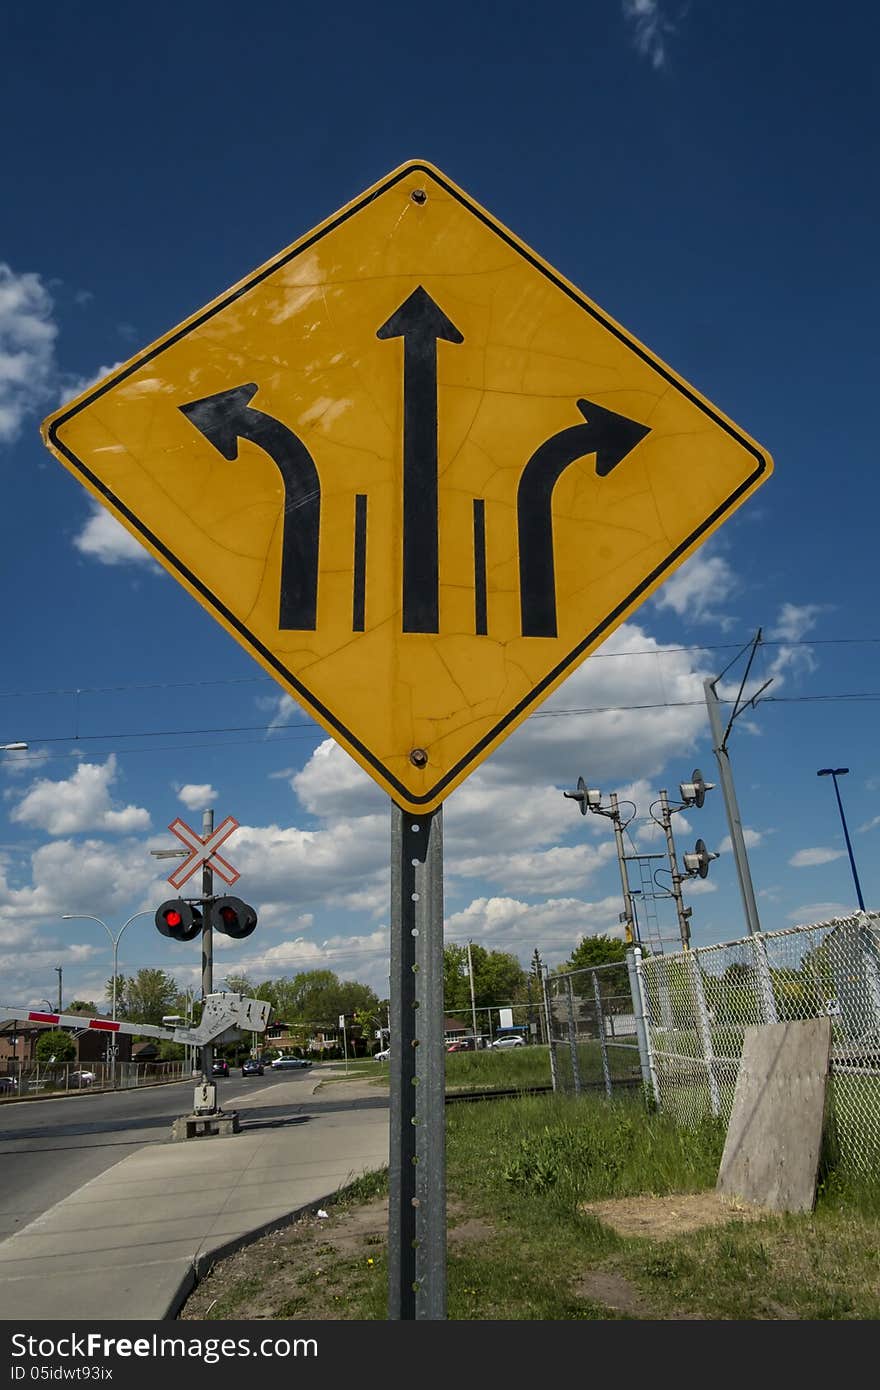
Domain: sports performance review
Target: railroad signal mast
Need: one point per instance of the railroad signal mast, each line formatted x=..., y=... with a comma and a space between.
x=183, y=919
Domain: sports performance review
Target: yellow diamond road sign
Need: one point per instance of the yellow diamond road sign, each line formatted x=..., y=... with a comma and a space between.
x=414, y=471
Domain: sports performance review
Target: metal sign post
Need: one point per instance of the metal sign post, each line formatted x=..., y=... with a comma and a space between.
x=417, y=1165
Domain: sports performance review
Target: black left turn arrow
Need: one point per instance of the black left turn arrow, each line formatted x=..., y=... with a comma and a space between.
x=420, y=322
x=223, y=420
x=607, y=435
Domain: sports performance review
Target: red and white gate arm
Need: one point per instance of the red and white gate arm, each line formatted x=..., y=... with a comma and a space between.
x=220, y=1012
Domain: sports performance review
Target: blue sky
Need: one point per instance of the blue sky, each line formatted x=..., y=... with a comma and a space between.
x=705, y=174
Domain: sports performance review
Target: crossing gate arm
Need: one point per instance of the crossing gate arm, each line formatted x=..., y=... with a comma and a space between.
x=220, y=1013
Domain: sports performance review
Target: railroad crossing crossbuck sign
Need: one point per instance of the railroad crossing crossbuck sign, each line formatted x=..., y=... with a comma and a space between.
x=414, y=471
x=203, y=851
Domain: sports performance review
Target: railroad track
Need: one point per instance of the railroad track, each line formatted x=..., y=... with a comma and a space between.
x=495, y=1093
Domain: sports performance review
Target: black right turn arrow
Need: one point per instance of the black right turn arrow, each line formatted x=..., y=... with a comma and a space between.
x=607, y=435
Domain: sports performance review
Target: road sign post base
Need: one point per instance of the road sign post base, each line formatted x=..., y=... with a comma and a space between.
x=203, y=1126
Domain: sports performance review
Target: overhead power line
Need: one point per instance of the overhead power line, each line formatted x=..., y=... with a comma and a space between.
x=309, y=727
x=270, y=681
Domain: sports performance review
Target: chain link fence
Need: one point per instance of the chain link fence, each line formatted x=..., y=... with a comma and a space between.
x=32, y=1079
x=592, y=1030
x=697, y=1005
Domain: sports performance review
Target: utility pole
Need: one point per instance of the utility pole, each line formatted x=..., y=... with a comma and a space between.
x=684, y=913
x=719, y=747
x=473, y=1004
x=628, y=906
x=536, y=967
x=58, y=970
x=589, y=799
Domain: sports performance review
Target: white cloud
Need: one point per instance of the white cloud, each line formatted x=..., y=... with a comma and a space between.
x=197, y=795
x=819, y=912
x=698, y=590
x=104, y=539
x=27, y=348
x=73, y=386
x=807, y=858
x=649, y=27
x=555, y=925
x=22, y=763
x=79, y=804
x=870, y=824
x=752, y=839
x=795, y=621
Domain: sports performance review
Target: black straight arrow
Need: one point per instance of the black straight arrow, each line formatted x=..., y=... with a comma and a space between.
x=607, y=435
x=223, y=420
x=420, y=322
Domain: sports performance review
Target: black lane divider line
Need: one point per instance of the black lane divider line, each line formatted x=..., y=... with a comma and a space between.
x=359, y=586
x=224, y=419
x=481, y=627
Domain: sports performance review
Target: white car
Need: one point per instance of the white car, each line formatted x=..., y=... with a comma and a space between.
x=82, y=1078
x=382, y=1056
x=510, y=1040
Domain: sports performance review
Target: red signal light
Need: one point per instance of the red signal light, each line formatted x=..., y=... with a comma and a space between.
x=173, y=918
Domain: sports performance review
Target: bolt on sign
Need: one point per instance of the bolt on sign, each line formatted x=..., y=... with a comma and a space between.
x=414, y=471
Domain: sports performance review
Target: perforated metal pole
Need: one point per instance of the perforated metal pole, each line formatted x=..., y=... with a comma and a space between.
x=417, y=1159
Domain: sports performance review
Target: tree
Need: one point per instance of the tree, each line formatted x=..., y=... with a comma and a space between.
x=498, y=978
x=145, y=997
x=55, y=1047
x=598, y=950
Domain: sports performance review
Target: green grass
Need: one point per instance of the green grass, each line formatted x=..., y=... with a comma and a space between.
x=518, y=1172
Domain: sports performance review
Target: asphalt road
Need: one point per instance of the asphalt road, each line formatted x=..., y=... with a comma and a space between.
x=51, y=1148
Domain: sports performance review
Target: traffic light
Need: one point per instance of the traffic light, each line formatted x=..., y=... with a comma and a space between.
x=232, y=916
x=179, y=920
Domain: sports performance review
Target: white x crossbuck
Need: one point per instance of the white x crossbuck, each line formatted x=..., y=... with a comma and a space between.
x=203, y=851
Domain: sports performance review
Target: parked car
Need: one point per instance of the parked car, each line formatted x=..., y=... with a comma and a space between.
x=82, y=1078
x=289, y=1063
x=461, y=1045
x=382, y=1056
x=7, y=1085
x=252, y=1066
x=219, y=1067
x=508, y=1040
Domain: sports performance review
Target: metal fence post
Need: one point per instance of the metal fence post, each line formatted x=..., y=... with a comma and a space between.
x=600, y=1024
x=705, y=1031
x=637, y=989
x=554, y=1070
x=765, y=981
x=572, y=1039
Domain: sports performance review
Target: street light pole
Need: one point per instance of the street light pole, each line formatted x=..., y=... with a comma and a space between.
x=834, y=773
x=87, y=917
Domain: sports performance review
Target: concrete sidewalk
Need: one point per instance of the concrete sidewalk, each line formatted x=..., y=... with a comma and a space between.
x=131, y=1243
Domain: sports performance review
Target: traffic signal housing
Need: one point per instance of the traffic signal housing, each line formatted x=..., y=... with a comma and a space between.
x=179, y=920
x=233, y=917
